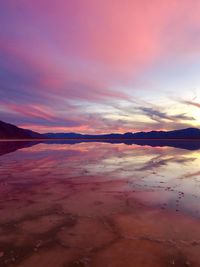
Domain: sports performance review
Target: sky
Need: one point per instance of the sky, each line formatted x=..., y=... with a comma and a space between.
x=100, y=66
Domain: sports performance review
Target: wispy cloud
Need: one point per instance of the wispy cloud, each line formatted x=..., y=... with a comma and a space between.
x=192, y=103
x=159, y=116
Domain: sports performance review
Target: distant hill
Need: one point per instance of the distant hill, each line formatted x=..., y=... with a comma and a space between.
x=189, y=133
x=9, y=131
x=63, y=135
x=82, y=136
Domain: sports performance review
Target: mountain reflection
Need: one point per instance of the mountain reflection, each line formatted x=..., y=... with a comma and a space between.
x=11, y=146
x=92, y=197
x=145, y=167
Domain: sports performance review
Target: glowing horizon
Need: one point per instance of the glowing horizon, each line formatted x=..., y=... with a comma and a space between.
x=100, y=66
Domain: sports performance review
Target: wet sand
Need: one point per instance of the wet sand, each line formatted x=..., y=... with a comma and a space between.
x=57, y=213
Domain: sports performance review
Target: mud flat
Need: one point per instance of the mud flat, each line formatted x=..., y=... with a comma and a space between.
x=57, y=213
x=87, y=224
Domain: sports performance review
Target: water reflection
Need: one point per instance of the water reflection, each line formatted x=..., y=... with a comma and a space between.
x=98, y=204
x=10, y=146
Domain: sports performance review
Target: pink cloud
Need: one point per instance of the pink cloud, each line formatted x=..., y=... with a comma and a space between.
x=121, y=35
x=58, y=52
x=34, y=111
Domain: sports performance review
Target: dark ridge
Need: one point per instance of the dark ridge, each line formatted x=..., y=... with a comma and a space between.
x=9, y=131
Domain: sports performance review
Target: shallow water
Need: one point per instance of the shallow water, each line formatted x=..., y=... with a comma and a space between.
x=98, y=204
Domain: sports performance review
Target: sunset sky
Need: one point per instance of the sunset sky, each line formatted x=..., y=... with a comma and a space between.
x=99, y=66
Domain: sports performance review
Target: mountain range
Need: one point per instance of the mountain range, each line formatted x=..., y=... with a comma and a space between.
x=9, y=131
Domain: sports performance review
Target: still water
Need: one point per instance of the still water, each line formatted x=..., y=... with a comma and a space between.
x=99, y=205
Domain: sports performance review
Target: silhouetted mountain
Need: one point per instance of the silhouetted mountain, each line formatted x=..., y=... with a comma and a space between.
x=9, y=131
x=189, y=133
x=185, y=138
x=82, y=136
x=63, y=135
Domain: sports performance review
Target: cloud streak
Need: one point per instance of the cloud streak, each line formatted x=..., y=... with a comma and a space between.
x=192, y=103
x=80, y=65
x=159, y=116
